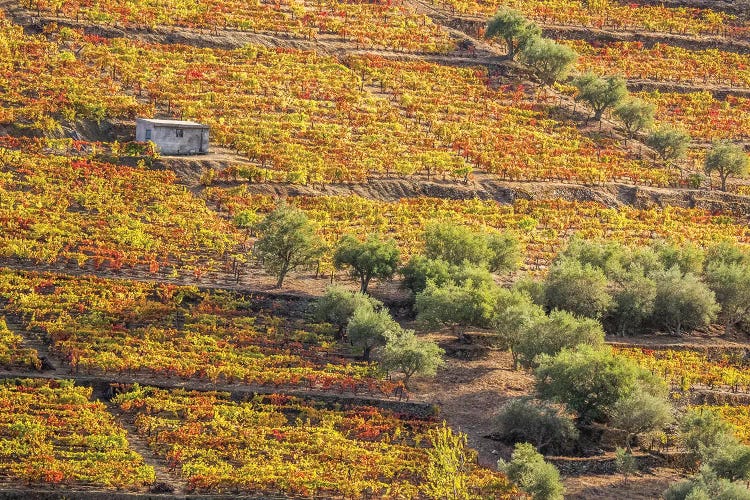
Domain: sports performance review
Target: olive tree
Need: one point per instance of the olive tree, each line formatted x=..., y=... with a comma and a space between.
x=600, y=93
x=369, y=328
x=372, y=258
x=640, y=412
x=703, y=433
x=551, y=334
x=580, y=289
x=688, y=257
x=545, y=425
x=635, y=115
x=732, y=462
x=625, y=463
x=727, y=253
x=683, y=302
x=634, y=296
x=591, y=381
x=731, y=286
x=457, y=306
x=670, y=143
x=458, y=245
x=337, y=306
x=454, y=243
x=513, y=28
x=707, y=485
x=710, y=440
x=727, y=160
x=505, y=252
x=420, y=270
x=514, y=312
x=287, y=241
x=411, y=355
x=548, y=60
x=605, y=255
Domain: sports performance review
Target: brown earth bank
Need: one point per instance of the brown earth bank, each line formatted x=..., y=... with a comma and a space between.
x=712, y=346
x=507, y=192
x=719, y=92
x=481, y=186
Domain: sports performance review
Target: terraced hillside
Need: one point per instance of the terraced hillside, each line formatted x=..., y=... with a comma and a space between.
x=162, y=330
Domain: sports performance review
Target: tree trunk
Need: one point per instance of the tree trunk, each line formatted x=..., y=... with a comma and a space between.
x=365, y=282
x=282, y=275
x=366, y=353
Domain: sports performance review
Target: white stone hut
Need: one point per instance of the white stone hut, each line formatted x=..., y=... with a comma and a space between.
x=173, y=137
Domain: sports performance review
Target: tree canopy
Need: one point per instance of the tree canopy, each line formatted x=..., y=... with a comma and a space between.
x=372, y=258
x=458, y=244
x=551, y=334
x=669, y=142
x=287, y=241
x=337, y=306
x=513, y=28
x=591, y=381
x=578, y=288
x=636, y=115
x=536, y=477
x=683, y=302
x=369, y=328
x=548, y=60
x=411, y=355
x=457, y=306
x=600, y=93
x=727, y=160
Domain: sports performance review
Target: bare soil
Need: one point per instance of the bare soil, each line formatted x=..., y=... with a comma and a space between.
x=470, y=394
x=645, y=485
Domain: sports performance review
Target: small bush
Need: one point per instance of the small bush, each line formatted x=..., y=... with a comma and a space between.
x=545, y=425
x=532, y=474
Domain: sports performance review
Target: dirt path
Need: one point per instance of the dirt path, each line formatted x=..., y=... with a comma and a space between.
x=470, y=394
